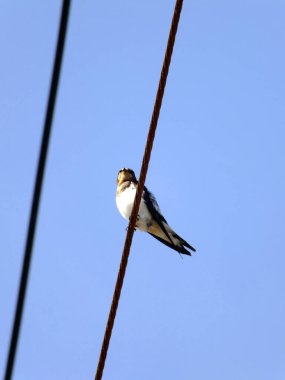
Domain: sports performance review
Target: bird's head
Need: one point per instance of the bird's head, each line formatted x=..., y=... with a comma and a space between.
x=126, y=174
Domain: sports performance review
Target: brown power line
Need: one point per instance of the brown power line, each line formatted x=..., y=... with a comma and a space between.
x=144, y=167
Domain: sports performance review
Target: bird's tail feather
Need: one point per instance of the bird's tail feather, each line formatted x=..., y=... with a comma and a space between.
x=184, y=242
x=177, y=248
x=168, y=237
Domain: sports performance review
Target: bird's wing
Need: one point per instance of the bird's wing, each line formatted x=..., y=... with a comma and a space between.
x=153, y=207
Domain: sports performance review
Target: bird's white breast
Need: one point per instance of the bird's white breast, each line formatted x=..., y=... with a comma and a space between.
x=125, y=201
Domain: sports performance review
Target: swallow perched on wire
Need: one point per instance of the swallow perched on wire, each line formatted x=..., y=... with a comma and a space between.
x=149, y=217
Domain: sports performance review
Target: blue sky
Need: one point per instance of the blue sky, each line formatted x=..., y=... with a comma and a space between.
x=217, y=170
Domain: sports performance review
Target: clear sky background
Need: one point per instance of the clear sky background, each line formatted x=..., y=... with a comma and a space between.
x=217, y=170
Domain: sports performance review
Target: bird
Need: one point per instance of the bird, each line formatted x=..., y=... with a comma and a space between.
x=150, y=218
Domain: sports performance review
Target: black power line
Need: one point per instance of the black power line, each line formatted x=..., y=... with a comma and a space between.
x=37, y=190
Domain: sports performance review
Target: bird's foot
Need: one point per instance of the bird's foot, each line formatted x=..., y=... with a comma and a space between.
x=129, y=227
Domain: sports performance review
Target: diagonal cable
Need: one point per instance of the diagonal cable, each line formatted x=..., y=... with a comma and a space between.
x=144, y=167
x=37, y=190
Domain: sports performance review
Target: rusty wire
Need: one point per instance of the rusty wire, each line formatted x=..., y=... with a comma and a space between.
x=141, y=182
